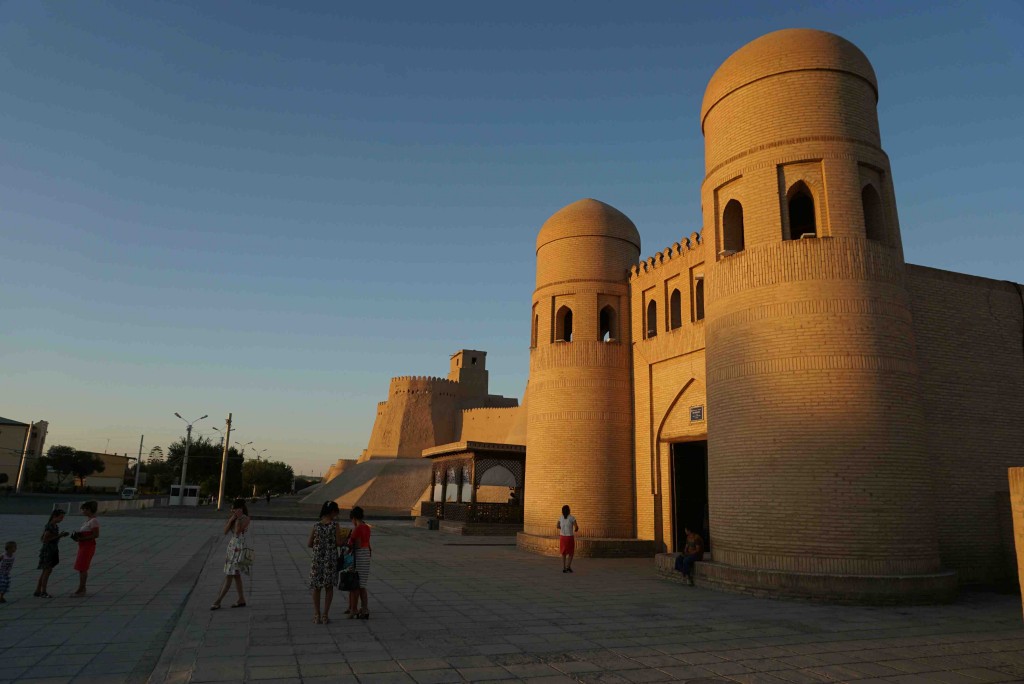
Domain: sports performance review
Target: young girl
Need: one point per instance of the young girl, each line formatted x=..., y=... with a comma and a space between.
x=359, y=542
x=49, y=555
x=86, y=537
x=324, y=539
x=237, y=525
x=6, y=563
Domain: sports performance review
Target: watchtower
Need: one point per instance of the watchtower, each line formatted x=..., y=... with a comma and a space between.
x=817, y=472
x=468, y=367
x=579, y=445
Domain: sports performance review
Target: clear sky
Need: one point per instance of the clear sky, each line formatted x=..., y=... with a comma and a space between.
x=272, y=208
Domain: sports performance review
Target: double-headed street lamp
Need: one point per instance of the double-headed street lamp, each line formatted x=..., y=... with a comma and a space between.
x=221, y=433
x=184, y=460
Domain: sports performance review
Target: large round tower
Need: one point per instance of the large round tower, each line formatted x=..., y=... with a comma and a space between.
x=818, y=483
x=579, y=440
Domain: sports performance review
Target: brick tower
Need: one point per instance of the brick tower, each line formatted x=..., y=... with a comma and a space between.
x=818, y=482
x=579, y=444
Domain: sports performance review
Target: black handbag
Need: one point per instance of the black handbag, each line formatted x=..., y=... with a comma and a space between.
x=348, y=580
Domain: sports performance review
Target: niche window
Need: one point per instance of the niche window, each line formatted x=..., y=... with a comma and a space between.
x=801, y=213
x=563, y=325
x=607, y=322
x=533, y=327
x=732, y=228
x=652, y=318
x=698, y=299
x=675, y=310
x=874, y=217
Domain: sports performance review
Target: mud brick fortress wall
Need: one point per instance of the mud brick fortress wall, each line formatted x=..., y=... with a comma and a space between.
x=859, y=413
x=422, y=412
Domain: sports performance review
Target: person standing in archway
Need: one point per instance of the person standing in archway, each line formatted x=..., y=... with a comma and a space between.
x=567, y=529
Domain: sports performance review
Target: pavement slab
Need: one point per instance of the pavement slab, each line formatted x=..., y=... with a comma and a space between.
x=445, y=609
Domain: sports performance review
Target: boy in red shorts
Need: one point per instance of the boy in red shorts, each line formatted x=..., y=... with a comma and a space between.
x=567, y=529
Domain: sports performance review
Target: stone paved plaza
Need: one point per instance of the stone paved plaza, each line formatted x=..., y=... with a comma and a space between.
x=451, y=609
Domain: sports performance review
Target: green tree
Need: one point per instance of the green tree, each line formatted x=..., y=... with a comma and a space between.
x=62, y=459
x=204, y=459
x=86, y=463
x=36, y=470
x=159, y=474
x=273, y=476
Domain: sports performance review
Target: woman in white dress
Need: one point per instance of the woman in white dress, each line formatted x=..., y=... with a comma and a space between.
x=235, y=561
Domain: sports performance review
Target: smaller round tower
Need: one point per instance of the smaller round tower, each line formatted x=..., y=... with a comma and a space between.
x=579, y=440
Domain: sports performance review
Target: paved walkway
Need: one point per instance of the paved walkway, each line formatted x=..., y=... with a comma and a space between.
x=140, y=580
x=450, y=609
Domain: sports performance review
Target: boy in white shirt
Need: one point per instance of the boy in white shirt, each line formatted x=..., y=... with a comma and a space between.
x=567, y=529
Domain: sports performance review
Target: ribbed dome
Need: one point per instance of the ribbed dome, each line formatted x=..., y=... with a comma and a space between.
x=588, y=217
x=785, y=51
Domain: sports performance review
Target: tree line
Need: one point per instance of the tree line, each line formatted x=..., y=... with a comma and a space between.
x=164, y=469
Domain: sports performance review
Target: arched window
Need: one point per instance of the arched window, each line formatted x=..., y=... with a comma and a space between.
x=533, y=328
x=732, y=227
x=675, y=310
x=563, y=325
x=606, y=319
x=652, y=318
x=874, y=217
x=698, y=299
x=801, y=212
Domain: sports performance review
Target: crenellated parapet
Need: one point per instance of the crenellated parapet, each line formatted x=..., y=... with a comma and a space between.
x=423, y=384
x=693, y=243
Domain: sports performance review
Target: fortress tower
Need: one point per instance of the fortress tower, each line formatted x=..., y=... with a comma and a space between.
x=579, y=406
x=818, y=480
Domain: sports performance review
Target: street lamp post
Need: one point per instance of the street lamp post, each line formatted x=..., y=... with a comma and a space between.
x=184, y=460
x=242, y=454
x=259, y=452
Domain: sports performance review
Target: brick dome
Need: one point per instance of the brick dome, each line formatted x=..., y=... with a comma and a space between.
x=588, y=217
x=786, y=51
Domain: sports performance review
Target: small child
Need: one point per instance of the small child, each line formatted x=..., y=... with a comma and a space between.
x=6, y=563
x=86, y=537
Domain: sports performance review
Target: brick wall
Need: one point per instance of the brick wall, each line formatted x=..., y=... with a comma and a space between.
x=968, y=332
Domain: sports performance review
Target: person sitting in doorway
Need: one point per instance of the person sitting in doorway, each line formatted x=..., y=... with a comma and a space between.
x=693, y=551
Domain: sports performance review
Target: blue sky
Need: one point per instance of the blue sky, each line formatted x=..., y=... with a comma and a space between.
x=249, y=207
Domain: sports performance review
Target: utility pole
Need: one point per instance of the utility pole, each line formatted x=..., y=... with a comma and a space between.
x=24, y=454
x=224, y=464
x=138, y=463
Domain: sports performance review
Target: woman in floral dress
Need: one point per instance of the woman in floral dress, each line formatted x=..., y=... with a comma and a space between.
x=235, y=561
x=324, y=539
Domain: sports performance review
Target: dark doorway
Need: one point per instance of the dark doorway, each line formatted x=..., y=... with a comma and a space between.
x=690, y=488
